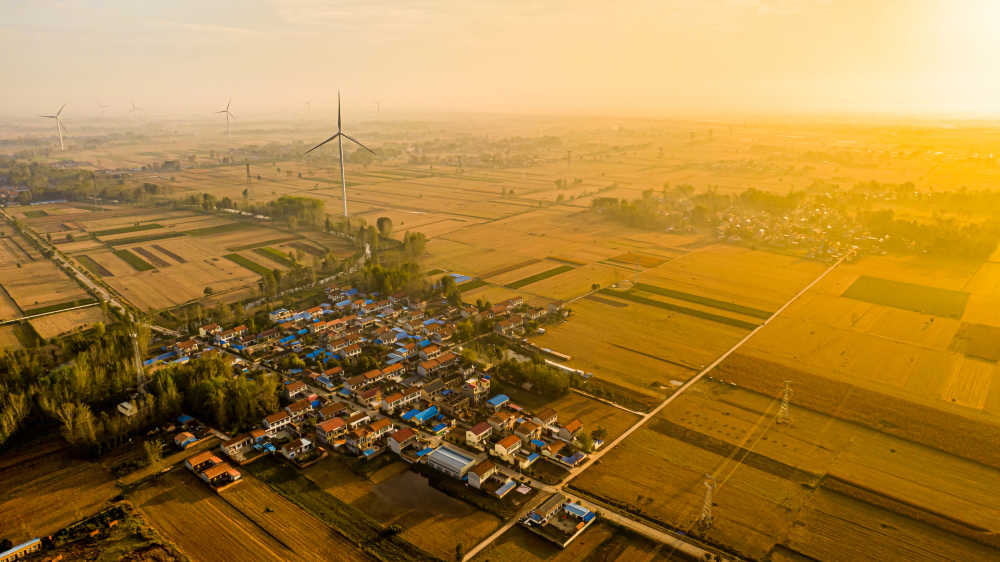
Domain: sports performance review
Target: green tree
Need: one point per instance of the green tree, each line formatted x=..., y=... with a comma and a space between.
x=384, y=226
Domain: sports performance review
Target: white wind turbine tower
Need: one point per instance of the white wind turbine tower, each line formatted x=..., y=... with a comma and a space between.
x=229, y=115
x=340, y=136
x=59, y=125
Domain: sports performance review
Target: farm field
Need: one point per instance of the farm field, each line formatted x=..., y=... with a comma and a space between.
x=914, y=357
x=430, y=519
x=639, y=347
x=202, y=524
x=308, y=537
x=39, y=284
x=8, y=338
x=43, y=489
x=768, y=476
x=53, y=325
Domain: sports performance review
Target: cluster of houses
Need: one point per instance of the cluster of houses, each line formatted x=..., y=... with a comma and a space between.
x=520, y=438
x=213, y=470
x=559, y=520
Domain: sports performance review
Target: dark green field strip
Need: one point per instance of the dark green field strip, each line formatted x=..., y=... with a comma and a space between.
x=153, y=258
x=251, y=265
x=37, y=213
x=977, y=340
x=275, y=255
x=539, y=276
x=147, y=238
x=608, y=302
x=260, y=244
x=625, y=295
x=220, y=229
x=566, y=261
x=59, y=306
x=125, y=229
x=94, y=267
x=908, y=296
x=657, y=357
x=169, y=253
x=434, y=272
x=724, y=305
x=470, y=285
x=510, y=268
x=307, y=248
x=135, y=261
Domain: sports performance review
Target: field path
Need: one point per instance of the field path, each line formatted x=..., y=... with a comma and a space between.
x=637, y=526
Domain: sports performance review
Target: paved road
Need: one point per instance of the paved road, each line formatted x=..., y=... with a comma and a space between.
x=632, y=524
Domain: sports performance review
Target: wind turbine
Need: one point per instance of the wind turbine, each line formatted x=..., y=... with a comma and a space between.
x=378, y=106
x=229, y=115
x=102, y=107
x=59, y=126
x=340, y=136
x=133, y=110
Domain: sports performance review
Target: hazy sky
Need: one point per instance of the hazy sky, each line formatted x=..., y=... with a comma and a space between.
x=655, y=57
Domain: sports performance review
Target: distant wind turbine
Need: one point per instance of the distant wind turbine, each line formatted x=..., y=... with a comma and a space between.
x=378, y=106
x=59, y=125
x=309, y=106
x=102, y=107
x=340, y=136
x=134, y=110
x=229, y=115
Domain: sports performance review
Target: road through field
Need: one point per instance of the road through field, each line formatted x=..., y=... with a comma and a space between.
x=573, y=473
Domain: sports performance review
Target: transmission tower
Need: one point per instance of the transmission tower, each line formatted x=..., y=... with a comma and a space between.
x=705, y=520
x=786, y=397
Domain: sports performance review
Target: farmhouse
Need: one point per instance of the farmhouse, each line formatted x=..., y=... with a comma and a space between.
x=209, y=330
x=219, y=474
x=546, y=417
x=296, y=447
x=502, y=421
x=328, y=430
x=528, y=431
x=299, y=409
x=201, y=461
x=276, y=422
x=569, y=431
x=183, y=439
x=480, y=473
x=497, y=401
x=234, y=446
x=295, y=389
x=371, y=397
x=357, y=418
x=477, y=434
x=450, y=461
x=352, y=350
x=401, y=439
x=333, y=410
x=506, y=447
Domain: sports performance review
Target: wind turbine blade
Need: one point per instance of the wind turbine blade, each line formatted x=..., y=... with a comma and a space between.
x=223, y=111
x=338, y=110
x=60, y=109
x=324, y=142
x=48, y=116
x=229, y=113
x=59, y=124
x=228, y=103
x=357, y=143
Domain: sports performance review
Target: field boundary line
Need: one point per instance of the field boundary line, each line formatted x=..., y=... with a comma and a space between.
x=14, y=320
x=606, y=401
x=693, y=380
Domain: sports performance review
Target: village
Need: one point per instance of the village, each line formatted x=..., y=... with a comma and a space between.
x=422, y=401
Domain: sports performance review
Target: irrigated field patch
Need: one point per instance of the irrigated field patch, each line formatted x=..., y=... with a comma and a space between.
x=978, y=340
x=539, y=276
x=909, y=296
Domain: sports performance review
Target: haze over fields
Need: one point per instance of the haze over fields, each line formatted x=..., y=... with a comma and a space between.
x=500, y=281
x=647, y=57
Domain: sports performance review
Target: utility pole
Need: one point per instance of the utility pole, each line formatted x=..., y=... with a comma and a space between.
x=705, y=520
x=783, y=415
